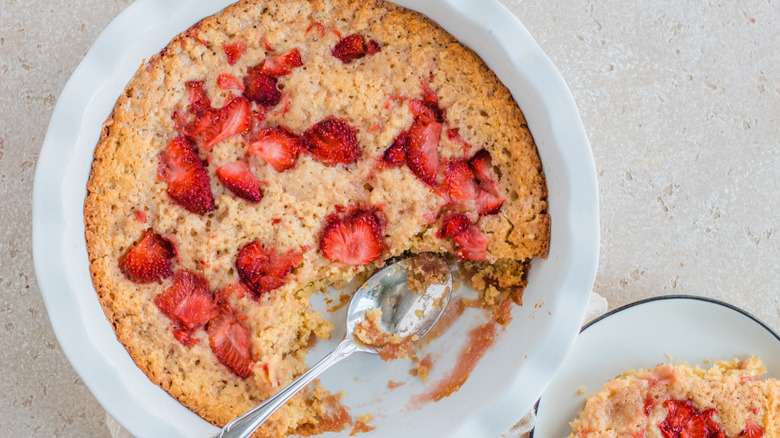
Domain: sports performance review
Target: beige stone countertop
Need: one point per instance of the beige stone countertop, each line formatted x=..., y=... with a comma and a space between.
x=680, y=100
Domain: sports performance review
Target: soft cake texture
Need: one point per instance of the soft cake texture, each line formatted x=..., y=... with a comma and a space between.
x=632, y=405
x=125, y=197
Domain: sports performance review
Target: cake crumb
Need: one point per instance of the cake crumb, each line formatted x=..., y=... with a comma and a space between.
x=393, y=384
x=424, y=270
x=581, y=390
x=393, y=346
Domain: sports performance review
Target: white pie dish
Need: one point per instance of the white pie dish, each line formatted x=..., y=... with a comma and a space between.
x=507, y=381
x=675, y=328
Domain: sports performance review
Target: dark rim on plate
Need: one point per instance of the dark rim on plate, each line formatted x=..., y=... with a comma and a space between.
x=669, y=297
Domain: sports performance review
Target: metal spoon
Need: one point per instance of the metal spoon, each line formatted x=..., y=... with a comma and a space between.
x=404, y=312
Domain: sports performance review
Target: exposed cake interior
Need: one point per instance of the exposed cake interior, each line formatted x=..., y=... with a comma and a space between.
x=277, y=148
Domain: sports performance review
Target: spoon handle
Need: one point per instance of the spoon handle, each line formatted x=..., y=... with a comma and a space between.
x=245, y=425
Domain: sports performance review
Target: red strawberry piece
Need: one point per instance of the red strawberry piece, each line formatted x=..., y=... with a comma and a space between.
x=234, y=51
x=461, y=185
x=262, y=270
x=226, y=81
x=429, y=96
x=396, y=153
x=281, y=65
x=188, y=303
x=354, y=47
x=261, y=88
x=422, y=152
x=481, y=164
x=453, y=224
x=684, y=420
x=349, y=48
x=752, y=430
x=179, y=119
x=473, y=244
x=488, y=203
x=230, y=342
x=373, y=47
x=353, y=240
x=240, y=180
x=188, y=182
x=315, y=25
x=213, y=126
x=277, y=146
x=199, y=100
x=332, y=141
x=149, y=260
x=648, y=407
x=489, y=198
x=428, y=111
x=234, y=118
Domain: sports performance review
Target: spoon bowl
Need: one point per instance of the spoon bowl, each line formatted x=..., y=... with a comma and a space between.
x=405, y=312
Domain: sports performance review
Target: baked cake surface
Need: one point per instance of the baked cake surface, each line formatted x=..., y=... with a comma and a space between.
x=727, y=400
x=207, y=235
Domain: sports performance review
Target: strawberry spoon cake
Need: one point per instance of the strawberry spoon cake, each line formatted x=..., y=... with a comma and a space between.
x=280, y=147
x=728, y=400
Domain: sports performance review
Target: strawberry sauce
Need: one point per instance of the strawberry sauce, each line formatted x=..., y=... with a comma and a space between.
x=480, y=340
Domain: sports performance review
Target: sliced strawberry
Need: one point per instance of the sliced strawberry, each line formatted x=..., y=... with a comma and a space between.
x=261, y=88
x=354, y=47
x=150, y=259
x=422, y=153
x=316, y=25
x=234, y=51
x=188, y=182
x=353, y=240
x=199, y=100
x=213, y=126
x=373, y=47
x=230, y=342
x=648, y=407
x=234, y=118
x=452, y=225
x=262, y=270
x=240, y=180
x=281, y=65
x=396, y=153
x=488, y=203
x=481, y=165
x=277, y=146
x=226, y=81
x=349, y=48
x=684, y=420
x=489, y=198
x=461, y=185
x=332, y=141
x=473, y=244
x=752, y=430
x=429, y=96
x=429, y=111
x=188, y=303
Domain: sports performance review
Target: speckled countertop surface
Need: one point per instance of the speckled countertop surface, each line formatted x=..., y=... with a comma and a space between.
x=680, y=100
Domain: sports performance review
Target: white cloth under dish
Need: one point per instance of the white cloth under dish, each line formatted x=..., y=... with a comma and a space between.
x=597, y=306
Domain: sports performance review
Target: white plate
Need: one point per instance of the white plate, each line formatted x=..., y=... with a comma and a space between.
x=641, y=335
x=507, y=381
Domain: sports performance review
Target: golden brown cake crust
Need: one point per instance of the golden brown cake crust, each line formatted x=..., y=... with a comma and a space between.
x=123, y=186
